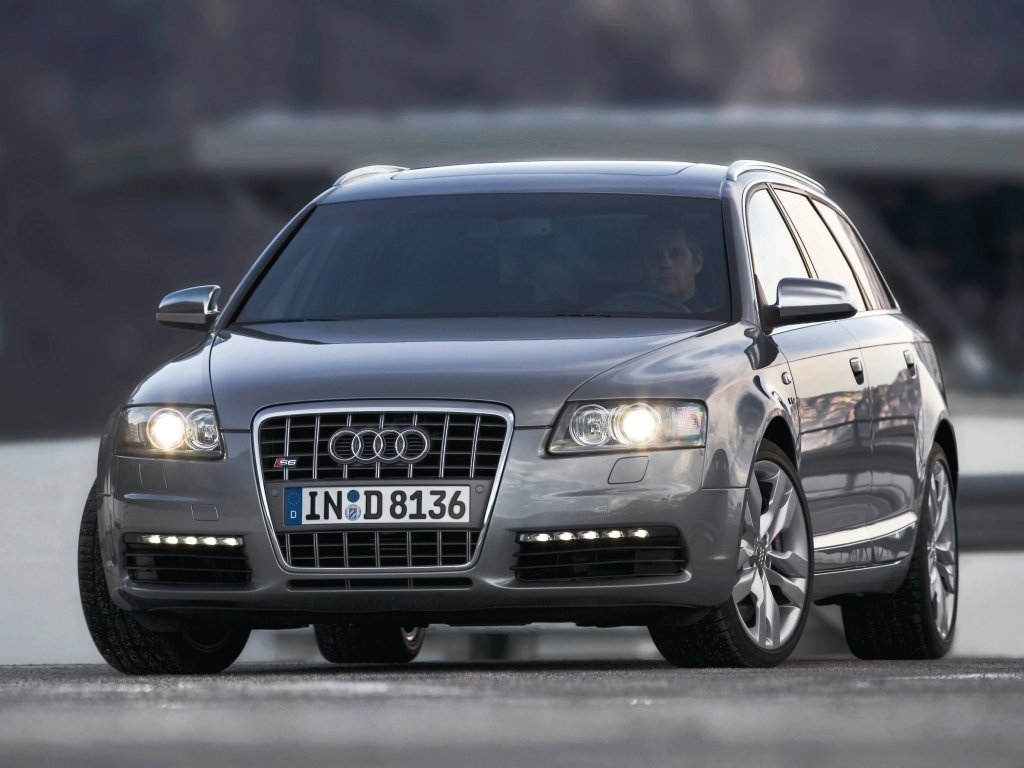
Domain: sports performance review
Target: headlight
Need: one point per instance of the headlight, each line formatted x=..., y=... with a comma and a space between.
x=184, y=432
x=621, y=425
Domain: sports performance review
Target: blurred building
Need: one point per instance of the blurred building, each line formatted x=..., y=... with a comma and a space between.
x=149, y=146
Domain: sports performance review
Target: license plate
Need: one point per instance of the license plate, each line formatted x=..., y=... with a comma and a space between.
x=377, y=504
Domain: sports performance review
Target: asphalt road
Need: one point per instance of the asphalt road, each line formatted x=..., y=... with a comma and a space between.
x=807, y=713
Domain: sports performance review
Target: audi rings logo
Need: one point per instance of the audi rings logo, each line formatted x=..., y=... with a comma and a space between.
x=364, y=446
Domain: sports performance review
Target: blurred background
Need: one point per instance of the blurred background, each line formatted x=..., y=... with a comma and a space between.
x=148, y=146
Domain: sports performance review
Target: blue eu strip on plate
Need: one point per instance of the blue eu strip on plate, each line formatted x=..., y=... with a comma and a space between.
x=293, y=506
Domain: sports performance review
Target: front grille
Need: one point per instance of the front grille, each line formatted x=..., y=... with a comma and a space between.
x=167, y=564
x=660, y=554
x=462, y=445
x=378, y=549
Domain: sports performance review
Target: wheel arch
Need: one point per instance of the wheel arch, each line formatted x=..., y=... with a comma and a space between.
x=946, y=439
x=778, y=431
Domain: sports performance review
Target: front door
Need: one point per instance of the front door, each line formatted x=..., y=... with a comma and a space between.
x=830, y=382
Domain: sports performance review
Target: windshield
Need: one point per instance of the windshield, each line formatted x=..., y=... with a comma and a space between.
x=488, y=255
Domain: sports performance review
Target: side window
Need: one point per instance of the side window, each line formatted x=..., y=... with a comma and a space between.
x=874, y=288
x=828, y=260
x=772, y=248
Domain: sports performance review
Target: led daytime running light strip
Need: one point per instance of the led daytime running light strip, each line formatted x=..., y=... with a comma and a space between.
x=189, y=540
x=545, y=537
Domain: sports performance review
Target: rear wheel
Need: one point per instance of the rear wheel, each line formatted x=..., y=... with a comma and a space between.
x=129, y=647
x=354, y=644
x=760, y=625
x=919, y=619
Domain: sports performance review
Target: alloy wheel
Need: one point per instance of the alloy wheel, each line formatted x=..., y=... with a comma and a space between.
x=773, y=564
x=941, y=548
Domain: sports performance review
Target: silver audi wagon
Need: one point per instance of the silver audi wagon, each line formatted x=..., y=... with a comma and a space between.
x=657, y=394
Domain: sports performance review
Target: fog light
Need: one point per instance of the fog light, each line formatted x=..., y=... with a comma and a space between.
x=184, y=539
x=544, y=537
x=535, y=538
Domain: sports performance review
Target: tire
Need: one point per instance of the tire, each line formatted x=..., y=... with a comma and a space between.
x=355, y=644
x=128, y=646
x=761, y=623
x=917, y=621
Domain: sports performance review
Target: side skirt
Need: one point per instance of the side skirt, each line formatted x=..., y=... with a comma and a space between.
x=871, y=558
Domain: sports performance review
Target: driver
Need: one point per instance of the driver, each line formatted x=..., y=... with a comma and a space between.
x=672, y=261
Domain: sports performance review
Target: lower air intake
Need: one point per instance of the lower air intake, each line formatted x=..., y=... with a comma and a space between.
x=576, y=556
x=217, y=565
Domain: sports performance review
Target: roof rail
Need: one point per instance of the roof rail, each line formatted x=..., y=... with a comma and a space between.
x=367, y=170
x=750, y=166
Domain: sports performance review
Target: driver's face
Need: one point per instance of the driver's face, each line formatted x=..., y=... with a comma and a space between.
x=671, y=265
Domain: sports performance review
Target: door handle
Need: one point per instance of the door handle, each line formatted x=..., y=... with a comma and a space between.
x=908, y=357
x=858, y=369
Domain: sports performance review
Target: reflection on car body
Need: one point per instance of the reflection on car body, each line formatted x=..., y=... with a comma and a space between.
x=613, y=393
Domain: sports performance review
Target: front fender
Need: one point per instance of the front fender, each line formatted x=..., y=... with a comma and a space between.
x=736, y=370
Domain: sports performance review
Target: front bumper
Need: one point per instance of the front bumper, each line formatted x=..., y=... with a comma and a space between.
x=536, y=492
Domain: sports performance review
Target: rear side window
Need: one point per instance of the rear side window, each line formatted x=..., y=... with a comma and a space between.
x=874, y=289
x=772, y=247
x=828, y=260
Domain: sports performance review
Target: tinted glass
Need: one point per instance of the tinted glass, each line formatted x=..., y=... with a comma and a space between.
x=821, y=247
x=875, y=290
x=500, y=254
x=773, y=250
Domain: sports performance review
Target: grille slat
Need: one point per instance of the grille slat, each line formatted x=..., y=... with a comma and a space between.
x=287, y=442
x=316, y=443
x=444, y=442
x=463, y=445
x=386, y=548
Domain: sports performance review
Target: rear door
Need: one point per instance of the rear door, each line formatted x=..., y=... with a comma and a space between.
x=832, y=399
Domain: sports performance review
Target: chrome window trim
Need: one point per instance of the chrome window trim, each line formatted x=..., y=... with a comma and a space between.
x=812, y=199
x=382, y=406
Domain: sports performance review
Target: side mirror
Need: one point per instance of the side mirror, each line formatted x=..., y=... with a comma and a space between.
x=193, y=308
x=803, y=300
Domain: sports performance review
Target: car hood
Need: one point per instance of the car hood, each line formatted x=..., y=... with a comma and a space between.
x=529, y=364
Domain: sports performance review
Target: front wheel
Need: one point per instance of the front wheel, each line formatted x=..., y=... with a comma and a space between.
x=128, y=646
x=761, y=623
x=919, y=619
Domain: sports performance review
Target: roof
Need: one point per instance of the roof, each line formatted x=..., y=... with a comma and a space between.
x=613, y=176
